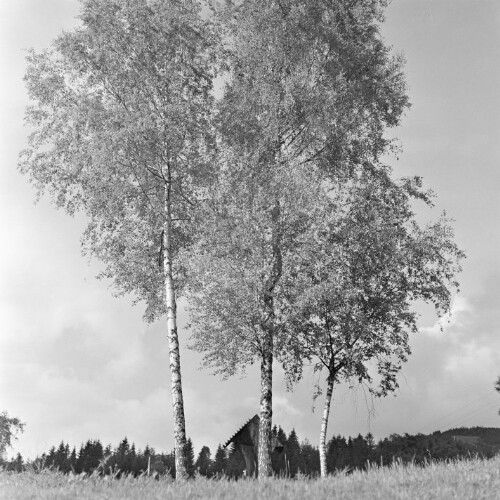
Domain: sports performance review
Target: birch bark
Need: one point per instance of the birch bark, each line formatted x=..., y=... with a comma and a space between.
x=324, y=426
x=266, y=408
x=173, y=343
x=266, y=370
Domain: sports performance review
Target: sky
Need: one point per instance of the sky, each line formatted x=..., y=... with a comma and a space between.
x=77, y=363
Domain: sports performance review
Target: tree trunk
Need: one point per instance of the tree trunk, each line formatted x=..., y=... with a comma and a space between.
x=173, y=344
x=324, y=426
x=266, y=408
x=266, y=367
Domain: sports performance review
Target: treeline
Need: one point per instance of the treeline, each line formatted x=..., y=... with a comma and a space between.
x=297, y=458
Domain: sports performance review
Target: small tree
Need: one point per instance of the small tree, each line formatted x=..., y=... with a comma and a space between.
x=219, y=465
x=292, y=450
x=73, y=459
x=17, y=464
x=9, y=428
x=61, y=458
x=189, y=451
x=203, y=462
x=373, y=263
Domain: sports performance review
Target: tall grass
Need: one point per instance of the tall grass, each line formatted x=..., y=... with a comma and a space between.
x=472, y=479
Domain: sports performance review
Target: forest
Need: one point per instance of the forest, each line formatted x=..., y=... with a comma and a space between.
x=298, y=458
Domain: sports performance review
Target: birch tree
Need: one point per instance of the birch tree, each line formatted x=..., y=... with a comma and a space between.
x=121, y=132
x=308, y=85
x=251, y=233
x=373, y=264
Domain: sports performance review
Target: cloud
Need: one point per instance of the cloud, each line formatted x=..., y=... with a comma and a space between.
x=450, y=369
x=455, y=319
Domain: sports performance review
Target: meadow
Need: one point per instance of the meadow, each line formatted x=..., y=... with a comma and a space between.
x=475, y=479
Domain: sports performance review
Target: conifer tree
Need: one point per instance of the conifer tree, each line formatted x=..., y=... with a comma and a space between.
x=293, y=453
x=189, y=451
x=61, y=457
x=73, y=459
x=309, y=459
x=219, y=464
x=50, y=458
x=203, y=462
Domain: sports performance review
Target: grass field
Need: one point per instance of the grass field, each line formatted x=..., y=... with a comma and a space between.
x=475, y=480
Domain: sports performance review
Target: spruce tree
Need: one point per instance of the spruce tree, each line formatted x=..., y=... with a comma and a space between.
x=219, y=465
x=189, y=453
x=292, y=450
x=203, y=462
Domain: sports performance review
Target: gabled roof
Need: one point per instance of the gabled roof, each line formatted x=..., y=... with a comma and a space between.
x=243, y=430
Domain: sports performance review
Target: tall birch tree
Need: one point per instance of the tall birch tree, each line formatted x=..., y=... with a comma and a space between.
x=308, y=84
x=252, y=231
x=121, y=132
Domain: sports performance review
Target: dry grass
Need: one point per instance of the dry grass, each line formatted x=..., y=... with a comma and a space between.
x=475, y=480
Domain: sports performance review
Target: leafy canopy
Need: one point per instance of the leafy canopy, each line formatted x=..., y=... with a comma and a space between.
x=122, y=107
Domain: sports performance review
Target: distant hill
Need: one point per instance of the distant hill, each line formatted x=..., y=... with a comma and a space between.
x=487, y=435
x=454, y=443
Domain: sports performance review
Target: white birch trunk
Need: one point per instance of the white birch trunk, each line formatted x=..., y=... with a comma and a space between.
x=266, y=409
x=266, y=368
x=173, y=344
x=324, y=426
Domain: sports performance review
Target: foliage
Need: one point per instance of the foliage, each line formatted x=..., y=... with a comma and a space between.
x=310, y=88
x=233, y=264
x=120, y=109
x=9, y=427
x=312, y=81
x=372, y=264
